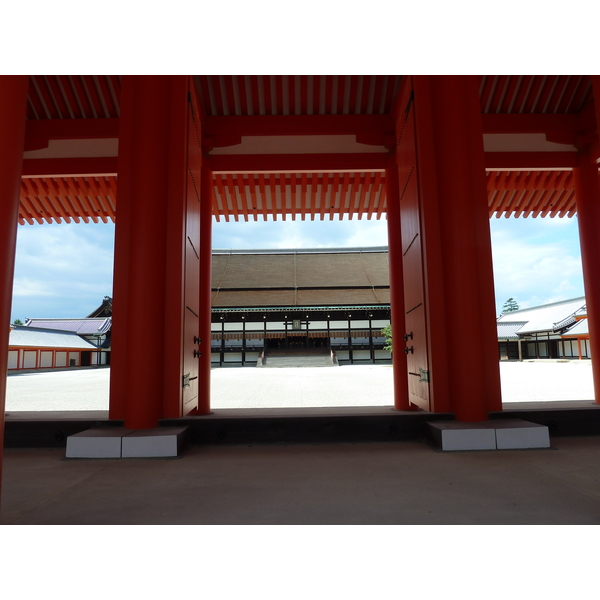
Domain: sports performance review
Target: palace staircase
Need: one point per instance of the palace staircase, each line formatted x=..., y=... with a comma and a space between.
x=298, y=357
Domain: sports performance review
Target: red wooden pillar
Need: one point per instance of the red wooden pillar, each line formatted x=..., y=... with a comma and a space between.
x=13, y=104
x=146, y=382
x=457, y=255
x=392, y=194
x=206, y=195
x=587, y=196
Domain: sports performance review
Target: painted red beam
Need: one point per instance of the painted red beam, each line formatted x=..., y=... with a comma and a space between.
x=39, y=131
x=529, y=161
x=70, y=167
x=298, y=163
x=294, y=163
x=56, y=129
x=531, y=123
x=375, y=162
x=298, y=125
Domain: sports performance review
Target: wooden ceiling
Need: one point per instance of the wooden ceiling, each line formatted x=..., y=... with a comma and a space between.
x=97, y=96
x=84, y=188
x=73, y=96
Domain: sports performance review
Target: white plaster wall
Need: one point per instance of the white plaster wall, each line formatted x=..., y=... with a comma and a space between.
x=45, y=358
x=379, y=323
x=355, y=324
x=61, y=359
x=13, y=359
x=29, y=359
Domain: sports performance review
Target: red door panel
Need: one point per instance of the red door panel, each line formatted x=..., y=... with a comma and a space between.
x=191, y=327
x=415, y=343
x=190, y=363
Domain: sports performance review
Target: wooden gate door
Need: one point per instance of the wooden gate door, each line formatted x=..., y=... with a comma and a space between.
x=415, y=336
x=192, y=269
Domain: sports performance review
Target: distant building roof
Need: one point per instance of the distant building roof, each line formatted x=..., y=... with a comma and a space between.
x=579, y=330
x=104, y=310
x=508, y=330
x=356, y=249
x=26, y=336
x=279, y=309
x=79, y=326
x=304, y=277
x=555, y=317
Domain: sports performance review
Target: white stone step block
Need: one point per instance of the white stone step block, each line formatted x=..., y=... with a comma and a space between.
x=513, y=434
x=96, y=443
x=454, y=435
x=499, y=434
x=161, y=442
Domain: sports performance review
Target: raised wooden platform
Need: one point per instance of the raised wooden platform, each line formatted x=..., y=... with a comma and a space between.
x=297, y=425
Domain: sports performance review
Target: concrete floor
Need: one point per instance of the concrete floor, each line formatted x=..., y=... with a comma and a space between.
x=367, y=483
x=338, y=483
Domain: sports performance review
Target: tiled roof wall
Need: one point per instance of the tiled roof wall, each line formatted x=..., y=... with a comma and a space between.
x=353, y=276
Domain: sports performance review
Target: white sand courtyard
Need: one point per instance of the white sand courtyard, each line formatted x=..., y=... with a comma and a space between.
x=352, y=385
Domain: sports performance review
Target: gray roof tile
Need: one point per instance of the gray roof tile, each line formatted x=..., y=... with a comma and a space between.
x=34, y=337
x=80, y=326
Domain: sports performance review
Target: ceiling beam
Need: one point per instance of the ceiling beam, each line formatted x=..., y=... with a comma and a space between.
x=295, y=163
x=530, y=161
x=70, y=167
x=531, y=123
x=573, y=129
x=298, y=163
x=298, y=125
x=38, y=132
x=60, y=129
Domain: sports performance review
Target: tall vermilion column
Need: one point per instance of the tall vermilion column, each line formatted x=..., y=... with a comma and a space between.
x=13, y=105
x=151, y=189
x=392, y=194
x=205, y=289
x=457, y=245
x=587, y=196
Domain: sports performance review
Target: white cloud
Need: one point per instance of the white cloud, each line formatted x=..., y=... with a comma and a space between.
x=29, y=288
x=535, y=273
x=62, y=270
x=370, y=233
x=300, y=234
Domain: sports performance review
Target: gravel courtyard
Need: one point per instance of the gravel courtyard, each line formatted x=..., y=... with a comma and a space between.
x=352, y=385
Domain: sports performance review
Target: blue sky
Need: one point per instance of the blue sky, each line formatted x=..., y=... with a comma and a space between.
x=66, y=270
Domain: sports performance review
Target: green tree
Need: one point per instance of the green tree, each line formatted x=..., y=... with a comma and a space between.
x=17, y=322
x=510, y=306
x=387, y=332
